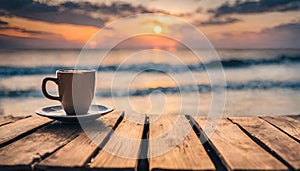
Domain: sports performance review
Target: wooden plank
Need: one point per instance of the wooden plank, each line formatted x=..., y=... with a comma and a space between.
x=122, y=150
x=78, y=152
x=21, y=154
x=286, y=124
x=274, y=140
x=173, y=145
x=10, y=119
x=12, y=131
x=237, y=150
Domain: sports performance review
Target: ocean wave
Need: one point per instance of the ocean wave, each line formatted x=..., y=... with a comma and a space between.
x=248, y=62
x=20, y=93
x=6, y=71
x=201, y=88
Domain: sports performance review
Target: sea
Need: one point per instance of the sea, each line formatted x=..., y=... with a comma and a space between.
x=259, y=82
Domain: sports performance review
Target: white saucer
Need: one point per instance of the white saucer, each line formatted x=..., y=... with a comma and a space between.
x=57, y=113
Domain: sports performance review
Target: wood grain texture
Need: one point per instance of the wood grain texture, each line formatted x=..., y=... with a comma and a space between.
x=10, y=119
x=122, y=150
x=287, y=124
x=78, y=152
x=32, y=148
x=173, y=145
x=237, y=150
x=275, y=140
x=10, y=131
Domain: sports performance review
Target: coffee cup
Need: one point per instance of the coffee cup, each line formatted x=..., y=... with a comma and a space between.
x=76, y=89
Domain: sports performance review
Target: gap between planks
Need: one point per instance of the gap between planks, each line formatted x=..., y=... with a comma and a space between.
x=23, y=153
x=286, y=124
x=209, y=147
x=20, y=128
x=122, y=150
x=273, y=140
x=10, y=119
x=235, y=148
x=80, y=151
x=242, y=128
x=174, y=145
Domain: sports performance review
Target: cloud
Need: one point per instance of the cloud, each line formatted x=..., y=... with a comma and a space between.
x=260, y=6
x=292, y=28
x=23, y=30
x=115, y=8
x=39, y=11
x=217, y=21
x=281, y=36
x=81, y=13
x=21, y=42
x=5, y=26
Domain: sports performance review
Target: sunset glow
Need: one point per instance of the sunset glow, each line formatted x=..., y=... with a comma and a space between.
x=70, y=32
x=157, y=29
x=151, y=41
x=224, y=24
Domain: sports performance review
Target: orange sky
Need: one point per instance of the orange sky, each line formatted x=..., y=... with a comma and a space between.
x=249, y=26
x=67, y=31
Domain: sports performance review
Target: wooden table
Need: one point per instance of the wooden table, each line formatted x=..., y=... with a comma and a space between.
x=256, y=143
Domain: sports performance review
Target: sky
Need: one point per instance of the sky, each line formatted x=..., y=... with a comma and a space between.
x=226, y=24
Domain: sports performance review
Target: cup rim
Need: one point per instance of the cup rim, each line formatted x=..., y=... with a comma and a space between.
x=74, y=70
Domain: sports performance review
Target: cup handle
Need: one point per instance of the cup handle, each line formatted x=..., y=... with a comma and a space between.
x=45, y=91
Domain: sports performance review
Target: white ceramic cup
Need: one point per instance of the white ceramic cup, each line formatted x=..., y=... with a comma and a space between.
x=76, y=89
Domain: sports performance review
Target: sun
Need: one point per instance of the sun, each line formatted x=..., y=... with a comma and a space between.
x=157, y=29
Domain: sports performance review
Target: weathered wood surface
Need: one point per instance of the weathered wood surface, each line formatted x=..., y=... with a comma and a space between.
x=35, y=143
x=36, y=146
x=5, y=120
x=78, y=152
x=121, y=152
x=174, y=145
x=11, y=131
x=272, y=138
x=9, y=119
x=238, y=151
x=287, y=124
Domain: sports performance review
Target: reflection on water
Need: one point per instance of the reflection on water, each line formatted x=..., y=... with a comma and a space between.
x=239, y=103
x=259, y=82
